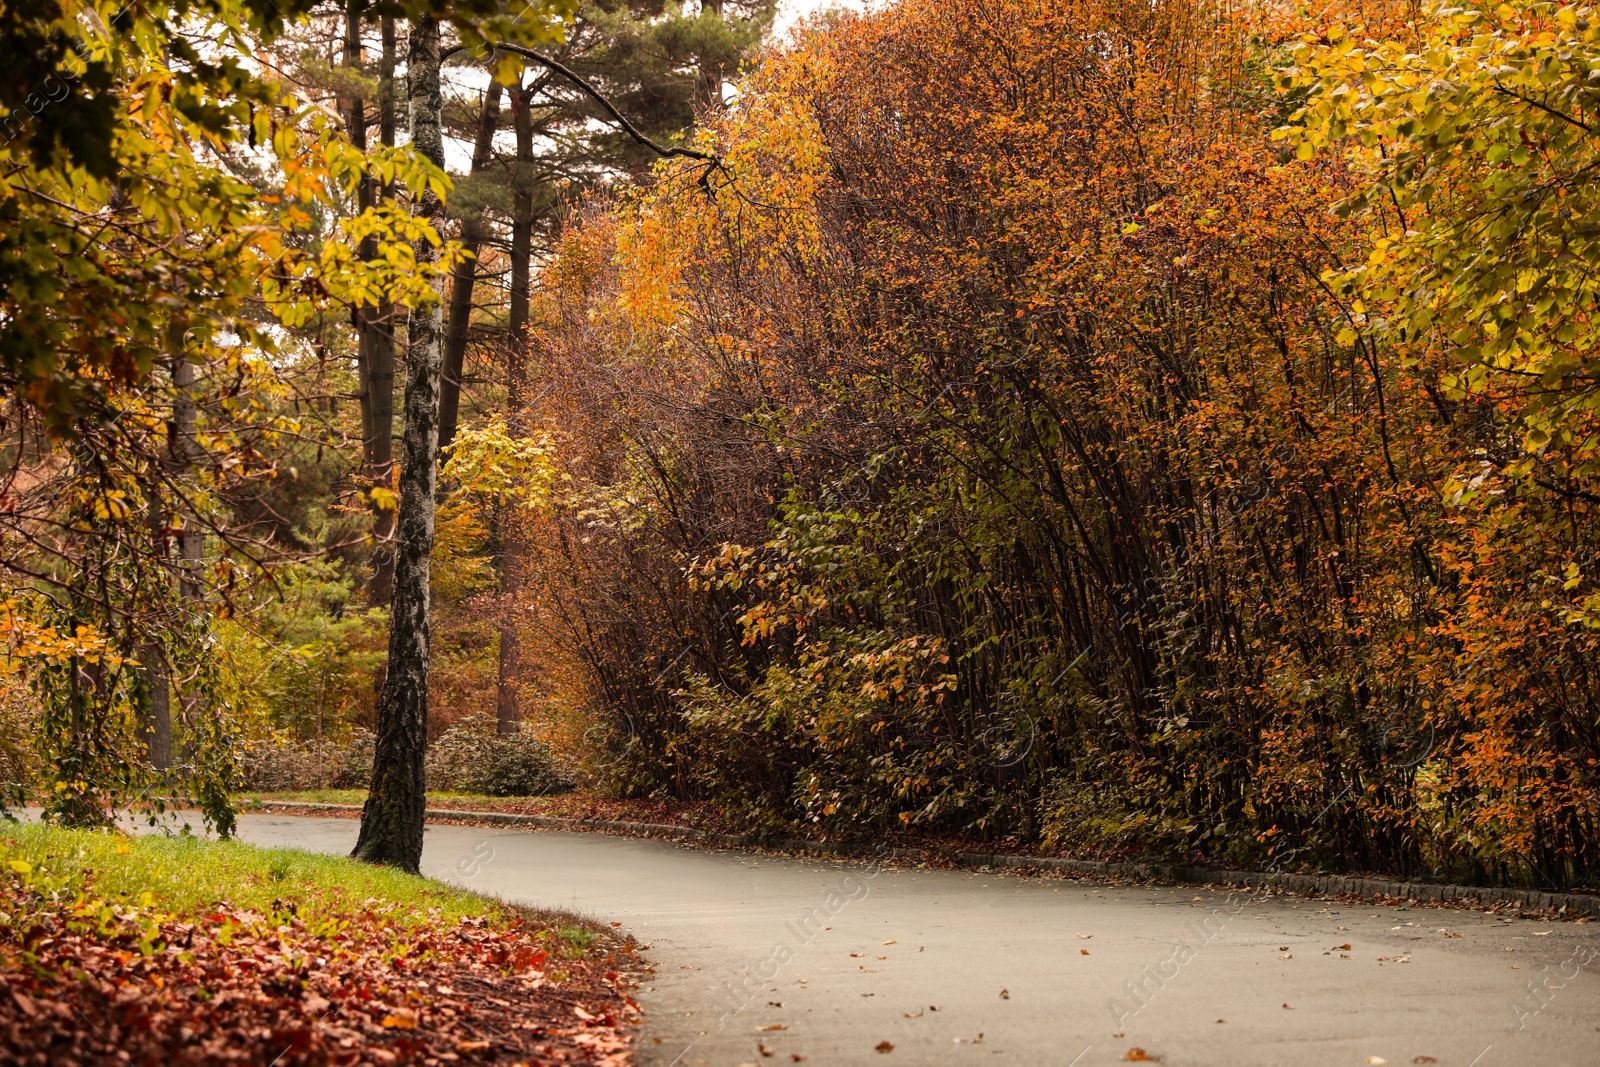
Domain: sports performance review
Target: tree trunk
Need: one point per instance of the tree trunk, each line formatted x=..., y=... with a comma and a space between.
x=158, y=734
x=192, y=541
x=464, y=277
x=508, y=710
x=374, y=326
x=158, y=674
x=392, y=818
x=710, y=88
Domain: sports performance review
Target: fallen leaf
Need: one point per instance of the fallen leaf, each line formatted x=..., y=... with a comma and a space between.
x=769, y=1027
x=884, y=1046
x=1376, y=1060
x=763, y=1049
x=1005, y=994
x=1086, y=937
x=1340, y=948
x=1423, y=1059
x=891, y=941
x=911, y=1014
x=1083, y=952
x=472, y=1046
x=401, y=1019
x=1139, y=1055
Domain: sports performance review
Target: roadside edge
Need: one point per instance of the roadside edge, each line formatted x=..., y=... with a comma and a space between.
x=1564, y=905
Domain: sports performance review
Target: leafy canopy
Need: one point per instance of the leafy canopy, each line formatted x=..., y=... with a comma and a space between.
x=1472, y=139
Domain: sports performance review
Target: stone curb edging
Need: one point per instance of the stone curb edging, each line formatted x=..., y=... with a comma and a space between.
x=1568, y=905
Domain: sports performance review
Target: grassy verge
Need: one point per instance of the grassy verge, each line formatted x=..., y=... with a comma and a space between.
x=574, y=805
x=180, y=950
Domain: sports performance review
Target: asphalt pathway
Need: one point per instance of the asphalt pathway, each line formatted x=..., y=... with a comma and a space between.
x=764, y=960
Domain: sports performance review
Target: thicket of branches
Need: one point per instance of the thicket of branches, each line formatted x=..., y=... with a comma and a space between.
x=986, y=448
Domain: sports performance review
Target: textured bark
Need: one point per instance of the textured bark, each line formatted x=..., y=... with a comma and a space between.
x=159, y=735
x=375, y=326
x=508, y=710
x=392, y=818
x=182, y=451
x=464, y=277
x=158, y=695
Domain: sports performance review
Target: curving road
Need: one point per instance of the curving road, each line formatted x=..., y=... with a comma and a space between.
x=821, y=962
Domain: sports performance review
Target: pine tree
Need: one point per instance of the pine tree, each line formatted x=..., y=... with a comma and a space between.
x=660, y=66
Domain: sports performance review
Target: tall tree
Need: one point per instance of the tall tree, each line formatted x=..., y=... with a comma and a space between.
x=508, y=685
x=659, y=69
x=464, y=278
x=375, y=326
x=392, y=818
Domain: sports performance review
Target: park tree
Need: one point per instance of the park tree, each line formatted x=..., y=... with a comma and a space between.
x=588, y=115
x=1469, y=132
x=160, y=204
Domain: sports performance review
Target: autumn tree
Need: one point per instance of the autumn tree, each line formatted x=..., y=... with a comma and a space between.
x=984, y=447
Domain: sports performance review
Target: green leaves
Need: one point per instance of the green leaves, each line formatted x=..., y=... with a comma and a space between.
x=1473, y=150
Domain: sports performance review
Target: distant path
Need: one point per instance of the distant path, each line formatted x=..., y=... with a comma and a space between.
x=960, y=938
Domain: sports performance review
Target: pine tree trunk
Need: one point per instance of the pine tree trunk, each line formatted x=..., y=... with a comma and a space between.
x=710, y=88
x=464, y=277
x=508, y=710
x=374, y=326
x=392, y=818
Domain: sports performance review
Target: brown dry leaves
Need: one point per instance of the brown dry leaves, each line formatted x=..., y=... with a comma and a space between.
x=241, y=988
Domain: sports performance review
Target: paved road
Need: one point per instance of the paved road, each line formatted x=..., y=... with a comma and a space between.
x=827, y=960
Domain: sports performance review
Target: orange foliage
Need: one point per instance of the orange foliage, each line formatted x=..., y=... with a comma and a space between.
x=981, y=449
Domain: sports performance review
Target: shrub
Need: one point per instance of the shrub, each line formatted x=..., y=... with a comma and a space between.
x=472, y=758
x=269, y=766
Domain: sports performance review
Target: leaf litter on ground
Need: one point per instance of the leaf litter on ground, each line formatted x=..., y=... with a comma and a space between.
x=102, y=978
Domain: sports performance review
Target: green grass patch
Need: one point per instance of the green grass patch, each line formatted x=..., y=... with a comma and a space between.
x=307, y=796
x=359, y=796
x=188, y=876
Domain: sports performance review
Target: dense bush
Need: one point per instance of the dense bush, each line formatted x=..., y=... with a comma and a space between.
x=270, y=766
x=982, y=450
x=472, y=758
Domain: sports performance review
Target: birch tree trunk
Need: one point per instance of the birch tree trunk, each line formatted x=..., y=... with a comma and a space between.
x=392, y=818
